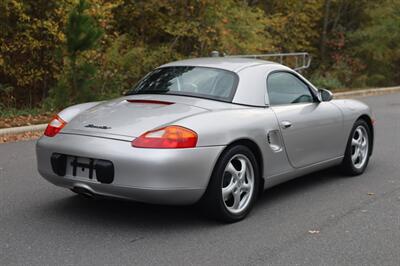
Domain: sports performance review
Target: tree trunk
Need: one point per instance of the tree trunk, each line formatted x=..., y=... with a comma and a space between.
x=325, y=30
x=73, y=80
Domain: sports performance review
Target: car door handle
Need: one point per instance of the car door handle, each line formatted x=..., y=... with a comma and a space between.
x=286, y=124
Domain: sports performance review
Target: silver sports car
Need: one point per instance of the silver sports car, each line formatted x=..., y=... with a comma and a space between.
x=213, y=130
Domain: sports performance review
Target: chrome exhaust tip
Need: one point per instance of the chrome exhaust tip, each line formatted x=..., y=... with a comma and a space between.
x=83, y=192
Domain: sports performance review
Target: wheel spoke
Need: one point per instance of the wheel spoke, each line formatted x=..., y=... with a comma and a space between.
x=242, y=172
x=236, y=200
x=232, y=170
x=355, y=155
x=226, y=191
x=360, y=133
x=354, y=142
x=361, y=156
x=246, y=187
x=245, y=196
x=364, y=144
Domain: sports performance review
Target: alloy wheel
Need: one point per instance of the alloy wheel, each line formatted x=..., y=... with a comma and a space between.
x=238, y=184
x=359, y=147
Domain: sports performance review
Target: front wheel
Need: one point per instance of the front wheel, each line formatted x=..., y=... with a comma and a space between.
x=358, y=149
x=233, y=187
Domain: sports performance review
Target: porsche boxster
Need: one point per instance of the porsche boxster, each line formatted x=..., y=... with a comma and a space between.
x=213, y=130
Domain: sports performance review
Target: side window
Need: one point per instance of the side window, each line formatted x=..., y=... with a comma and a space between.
x=286, y=88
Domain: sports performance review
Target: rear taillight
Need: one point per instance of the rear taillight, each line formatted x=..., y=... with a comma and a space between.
x=170, y=137
x=55, y=125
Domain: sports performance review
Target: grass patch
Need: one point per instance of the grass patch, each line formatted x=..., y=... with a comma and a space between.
x=13, y=112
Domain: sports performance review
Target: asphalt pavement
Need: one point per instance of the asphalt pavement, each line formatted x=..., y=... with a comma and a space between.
x=320, y=219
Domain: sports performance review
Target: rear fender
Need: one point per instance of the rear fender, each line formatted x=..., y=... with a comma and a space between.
x=224, y=127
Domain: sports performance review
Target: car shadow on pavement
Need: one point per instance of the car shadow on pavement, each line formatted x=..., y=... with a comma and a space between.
x=123, y=213
x=300, y=185
x=158, y=217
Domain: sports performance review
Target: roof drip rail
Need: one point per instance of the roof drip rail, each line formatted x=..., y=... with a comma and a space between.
x=298, y=61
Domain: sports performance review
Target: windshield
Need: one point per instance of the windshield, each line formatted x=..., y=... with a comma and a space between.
x=204, y=82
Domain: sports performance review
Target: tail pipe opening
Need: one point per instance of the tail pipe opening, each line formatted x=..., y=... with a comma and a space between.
x=83, y=192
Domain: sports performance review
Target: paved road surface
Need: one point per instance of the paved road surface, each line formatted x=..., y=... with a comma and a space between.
x=358, y=219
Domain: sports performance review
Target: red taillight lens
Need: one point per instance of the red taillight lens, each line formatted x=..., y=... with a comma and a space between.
x=171, y=137
x=54, y=126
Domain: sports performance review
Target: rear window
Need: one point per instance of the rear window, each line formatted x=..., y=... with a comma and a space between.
x=204, y=82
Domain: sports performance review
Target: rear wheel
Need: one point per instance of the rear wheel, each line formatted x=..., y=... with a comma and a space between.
x=233, y=187
x=358, y=149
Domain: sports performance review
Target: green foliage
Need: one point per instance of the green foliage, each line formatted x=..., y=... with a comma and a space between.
x=293, y=24
x=82, y=34
x=376, y=43
x=31, y=32
x=82, y=31
x=58, y=96
x=6, y=112
x=124, y=64
x=62, y=94
x=194, y=28
x=74, y=51
x=7, y=92
x=149, y=37
x=327, y=81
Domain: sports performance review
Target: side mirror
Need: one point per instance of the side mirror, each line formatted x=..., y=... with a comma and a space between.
x=325, y=95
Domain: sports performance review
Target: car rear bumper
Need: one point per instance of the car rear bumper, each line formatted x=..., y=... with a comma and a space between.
x=166, y=176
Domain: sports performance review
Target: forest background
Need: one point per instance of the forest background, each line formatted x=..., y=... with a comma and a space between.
x=57, y=53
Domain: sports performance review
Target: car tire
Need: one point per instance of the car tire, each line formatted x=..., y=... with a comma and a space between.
x=232, y=189
x=358, y=149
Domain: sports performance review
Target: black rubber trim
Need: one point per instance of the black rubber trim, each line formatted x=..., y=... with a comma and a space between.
x=59, y=163
x=103, y=169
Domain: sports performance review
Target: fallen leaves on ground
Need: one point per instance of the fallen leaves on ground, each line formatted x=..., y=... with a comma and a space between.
x=21, y=136
x=25, y=120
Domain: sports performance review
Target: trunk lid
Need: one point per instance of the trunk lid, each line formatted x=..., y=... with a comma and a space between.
x=129, y=117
